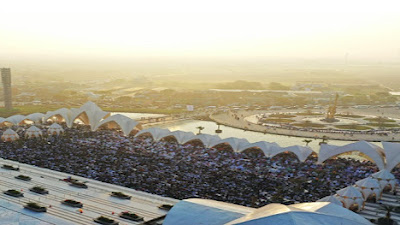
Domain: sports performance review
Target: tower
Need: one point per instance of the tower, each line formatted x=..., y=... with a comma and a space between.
x=6, y=80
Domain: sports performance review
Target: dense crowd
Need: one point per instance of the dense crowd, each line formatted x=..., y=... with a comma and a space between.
x=184, y=171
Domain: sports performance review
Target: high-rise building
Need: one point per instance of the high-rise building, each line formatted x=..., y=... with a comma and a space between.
x=6, y=80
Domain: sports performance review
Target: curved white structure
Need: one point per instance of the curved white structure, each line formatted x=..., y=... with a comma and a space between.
x=350, y=196
x=331, y=199
x=392, y=153
x=208, y=140
x=235, y=143
x=55, y=129
x=9, y=135
x=267, y=148
x=156, y=133
x=35, y=117
x=302, y=152
x=126, y=124
x=60, y=115
x=202, y=211
x=385, y=178
x=33, y=132
x=180, y=136
x=13, y=120
x=90, y=114
x=369, y=187
x=372, y=152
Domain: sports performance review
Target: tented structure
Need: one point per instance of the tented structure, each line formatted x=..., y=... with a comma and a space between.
x=370, y=151
x=302, y=152
x=156, y=133
x=369, y=187
x=55, y=129
x=90, y=114
x=126, y=124
x=392, y=154
x=351, y=198
x=235, y=143
x=33, y=132
x=208, y=140
x=180, y=136
x=35, y=117
x=385, y=179
x=9, y=135
x=267, y=148
x=210, y=212
x=13, y=120
x=60, y=115
x=331, y=199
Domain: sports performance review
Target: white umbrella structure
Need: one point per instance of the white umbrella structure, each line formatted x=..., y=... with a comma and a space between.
x=369, y=187
x=55, y=129
x=351, y=197
x=33, y=132
x=9, y=135
x=385, y=179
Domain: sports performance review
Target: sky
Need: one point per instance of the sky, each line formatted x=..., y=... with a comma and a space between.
x=48, y=29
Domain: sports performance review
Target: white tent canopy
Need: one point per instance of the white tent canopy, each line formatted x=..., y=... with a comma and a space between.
x=332, y=199
x=125, y=123
x=210, y=212
x=392, y=153
x=60, y=115
x=156, y=133
x=235, y=143
x=55, y=129
x=35, y=117
x=350, y=196
x=208, y=140
x=181, y=136
x=385, y=178
x=33, y=132
x=90, y=114
x=266, y=147
x=14, y=120
x=302, y=152
x=368, y=187
x=9, y=135
x=373, y=152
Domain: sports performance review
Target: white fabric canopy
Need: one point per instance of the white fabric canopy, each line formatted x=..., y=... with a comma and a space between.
x=374, y=152
x=392, y=153
x=349, y=196
x=14, y=120
x=267, y=148
x=235, y=143
x=369, y=186
x=33, y=132
x=385, y=178
x=55, y=129
x=302, y=152
x=210, y=212
x=9, y=135
x=35, y=117
x=207, y=139
x=125, y=123
x=156, y=133
x=332, y=199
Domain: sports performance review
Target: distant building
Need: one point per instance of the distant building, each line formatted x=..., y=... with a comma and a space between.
x=6, y=80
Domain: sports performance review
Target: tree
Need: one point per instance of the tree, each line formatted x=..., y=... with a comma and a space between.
x=324, y=140
x=388, y=209
x=307, y=141
x=200, y=129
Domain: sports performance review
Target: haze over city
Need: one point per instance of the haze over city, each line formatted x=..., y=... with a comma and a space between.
x=200, y=112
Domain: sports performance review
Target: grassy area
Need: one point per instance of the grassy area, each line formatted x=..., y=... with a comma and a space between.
x=380, y=120
x=278, y=115
x=28, y=109
x=353, y=127
x=383, y=125
x=310, y=125
x=277, y=120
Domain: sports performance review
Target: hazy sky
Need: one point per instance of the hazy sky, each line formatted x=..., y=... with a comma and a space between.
x=207, y=28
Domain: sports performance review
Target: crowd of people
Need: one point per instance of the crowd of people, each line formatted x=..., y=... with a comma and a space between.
x=185, y=171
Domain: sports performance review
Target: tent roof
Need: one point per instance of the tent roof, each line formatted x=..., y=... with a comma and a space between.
x=210, y=212
x=10, y=132
x=331, y=199
x=350, y=192
x=383, y=174
x=368, y=183
x=125, y=123
x=392, y=153
x=34, y=129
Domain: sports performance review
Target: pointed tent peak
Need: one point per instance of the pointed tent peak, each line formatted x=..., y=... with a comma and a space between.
x=368, y=182
x=35, y=115
x=331, y=199
x=312, y=213
x=15, y=119
x=125, y=123
x=90, y=106
x=349, y=192
x=383, y=174
x=235, y=143
x=55, y=125
x=9, y=132
x=153, y=130
x=33, y=128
